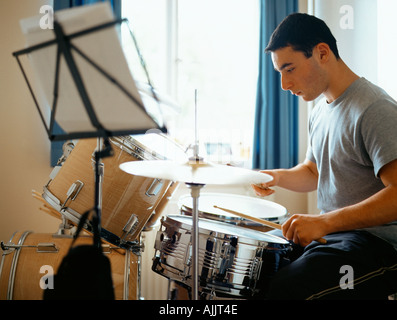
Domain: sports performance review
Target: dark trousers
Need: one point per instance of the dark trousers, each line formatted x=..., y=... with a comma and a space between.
x=351, y=265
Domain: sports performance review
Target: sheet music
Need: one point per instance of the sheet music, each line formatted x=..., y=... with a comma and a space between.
x=115, y=111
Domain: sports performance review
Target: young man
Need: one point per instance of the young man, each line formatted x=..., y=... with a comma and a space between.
x=351, y=161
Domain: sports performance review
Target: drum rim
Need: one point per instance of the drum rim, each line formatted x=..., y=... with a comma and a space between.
x=271, y=204
x=229, y=219
x=266, y=238
x=146, y=152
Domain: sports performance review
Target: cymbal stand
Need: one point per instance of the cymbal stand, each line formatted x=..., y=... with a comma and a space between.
x=195, y=193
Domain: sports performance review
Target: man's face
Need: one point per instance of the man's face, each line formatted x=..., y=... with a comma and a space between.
x=303, y=76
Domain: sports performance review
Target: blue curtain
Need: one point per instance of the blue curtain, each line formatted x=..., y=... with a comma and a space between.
x=56, y=146
x=276, y=118
x=63, y=4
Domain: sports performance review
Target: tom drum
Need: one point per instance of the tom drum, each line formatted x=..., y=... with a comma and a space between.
x=233, y=261
x=128, y=201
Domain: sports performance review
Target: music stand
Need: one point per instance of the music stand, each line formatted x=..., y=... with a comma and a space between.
x=93, y=121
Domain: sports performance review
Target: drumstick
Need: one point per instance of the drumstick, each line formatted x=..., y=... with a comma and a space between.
x=37, y=195
x=261, y=221
x=45, y=206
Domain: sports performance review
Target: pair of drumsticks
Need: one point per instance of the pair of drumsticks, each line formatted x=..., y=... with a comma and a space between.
x=261, y=221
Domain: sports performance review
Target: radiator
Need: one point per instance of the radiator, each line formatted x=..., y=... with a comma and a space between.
x=153, y=286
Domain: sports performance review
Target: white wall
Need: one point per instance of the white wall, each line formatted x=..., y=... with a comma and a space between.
x=354, y=25
x=366, y=32
x=387, y=46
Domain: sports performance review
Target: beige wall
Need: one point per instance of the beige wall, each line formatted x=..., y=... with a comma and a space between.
x=25, y=157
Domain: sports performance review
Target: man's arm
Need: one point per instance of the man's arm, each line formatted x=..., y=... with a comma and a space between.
x=379, y=209
x=301, y=178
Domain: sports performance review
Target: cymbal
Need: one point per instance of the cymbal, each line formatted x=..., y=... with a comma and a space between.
x=194, y=172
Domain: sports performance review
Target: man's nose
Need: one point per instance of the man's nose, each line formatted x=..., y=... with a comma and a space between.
x=286, y=83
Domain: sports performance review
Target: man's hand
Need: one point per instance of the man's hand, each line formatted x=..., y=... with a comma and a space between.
x=263, y=189
x=301, y=178
x=302, y=229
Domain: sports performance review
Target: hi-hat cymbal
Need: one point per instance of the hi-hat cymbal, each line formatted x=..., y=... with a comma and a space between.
x=194, y=172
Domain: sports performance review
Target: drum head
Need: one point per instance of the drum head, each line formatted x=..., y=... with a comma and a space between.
x=224, y=230
x=255, y=207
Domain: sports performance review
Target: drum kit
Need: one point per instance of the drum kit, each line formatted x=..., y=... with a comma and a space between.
x=204, y=248
x=219, y=248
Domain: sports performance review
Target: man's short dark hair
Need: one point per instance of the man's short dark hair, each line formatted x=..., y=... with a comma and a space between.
x=302, y=32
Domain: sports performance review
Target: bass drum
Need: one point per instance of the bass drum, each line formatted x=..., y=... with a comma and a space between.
x=128, y=201
x=254, y=207
x=233, y=262
x=27, y=257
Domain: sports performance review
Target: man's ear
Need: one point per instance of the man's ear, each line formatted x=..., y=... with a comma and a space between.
x=323, y=51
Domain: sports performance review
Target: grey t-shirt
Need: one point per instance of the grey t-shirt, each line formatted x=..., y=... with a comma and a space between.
x=351, y=139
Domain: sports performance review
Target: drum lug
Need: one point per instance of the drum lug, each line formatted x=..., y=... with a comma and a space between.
x=6, y=248
x=106, y=248
x=131, y=224
x=67, y=148
x=46, y=247
x=41, y=247
x=136, y=248
x=154, y=188
x=53, y=174
x=73, y=191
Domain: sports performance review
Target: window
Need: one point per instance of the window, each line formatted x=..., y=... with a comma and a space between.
x=205, y=47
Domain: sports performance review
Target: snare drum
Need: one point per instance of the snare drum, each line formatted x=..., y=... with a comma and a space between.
x=128, y=201
x=231, y=258
x=28, y=257
x=255, y=207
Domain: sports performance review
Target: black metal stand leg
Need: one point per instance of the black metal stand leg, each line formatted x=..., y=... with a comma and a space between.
x=99, y=173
